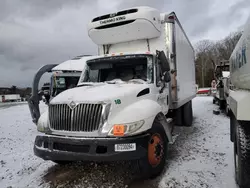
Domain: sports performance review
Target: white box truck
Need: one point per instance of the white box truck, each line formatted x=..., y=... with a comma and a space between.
x=11, y=98
x=239, y=104
x=126, y=100
x=222, y=75
x=64, y=76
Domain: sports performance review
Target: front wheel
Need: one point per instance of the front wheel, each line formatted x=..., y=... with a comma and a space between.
x=153, y=164
x=242, y=153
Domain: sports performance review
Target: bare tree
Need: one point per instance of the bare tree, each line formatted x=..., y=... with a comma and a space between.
x=209, y=53
x=203, y=60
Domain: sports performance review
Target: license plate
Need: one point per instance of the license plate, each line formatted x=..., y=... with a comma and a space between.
x=125, y=147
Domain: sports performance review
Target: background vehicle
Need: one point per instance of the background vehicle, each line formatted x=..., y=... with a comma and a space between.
x=46, y=92
x=10, y=98
x=222, y=75
x=127, y=98
x=239, y=103
x=204, y=91
x=64, y=76
x=213, y=88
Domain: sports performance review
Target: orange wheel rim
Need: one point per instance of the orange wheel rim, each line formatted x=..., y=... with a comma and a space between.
x=155, y=150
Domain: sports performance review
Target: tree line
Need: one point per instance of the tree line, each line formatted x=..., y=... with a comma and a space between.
x=15, y=90
x=209, y=53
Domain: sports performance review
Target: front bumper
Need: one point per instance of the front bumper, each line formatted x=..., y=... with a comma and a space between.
x=50, y=147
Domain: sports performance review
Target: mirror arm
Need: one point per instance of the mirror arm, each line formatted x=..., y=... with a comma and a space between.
x=162, y=88
x=163, y=85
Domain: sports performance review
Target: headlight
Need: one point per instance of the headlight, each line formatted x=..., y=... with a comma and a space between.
x=126, y=129
x=42, y=124
x=41, y=128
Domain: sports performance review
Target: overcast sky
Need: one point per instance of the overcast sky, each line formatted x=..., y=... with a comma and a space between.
x=34, y=33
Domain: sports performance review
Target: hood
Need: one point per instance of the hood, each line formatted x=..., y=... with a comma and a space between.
x=99, y=93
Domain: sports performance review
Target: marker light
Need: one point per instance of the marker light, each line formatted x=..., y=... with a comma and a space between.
x=171, y=17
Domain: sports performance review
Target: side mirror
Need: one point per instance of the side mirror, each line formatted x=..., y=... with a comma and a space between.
x=46, y=93
x=166, y=77
x=163, y=60
x=40, y=95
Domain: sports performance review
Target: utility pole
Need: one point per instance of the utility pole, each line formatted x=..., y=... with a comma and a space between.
x=202, y=71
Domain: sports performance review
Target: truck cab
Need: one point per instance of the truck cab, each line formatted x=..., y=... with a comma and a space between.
x=64, y=76
x=222, y=76
x=129, y=98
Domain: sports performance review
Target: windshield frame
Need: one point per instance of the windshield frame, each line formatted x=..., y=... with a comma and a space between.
x=150, y=61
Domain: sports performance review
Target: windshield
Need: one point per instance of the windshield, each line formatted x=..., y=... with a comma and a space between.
x=61, y=83
x=120, y=69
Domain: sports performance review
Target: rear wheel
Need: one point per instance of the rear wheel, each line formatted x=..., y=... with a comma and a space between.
x=214, y=101
x=227, y=110
x=232, y=127
x=187, y=112
x=222, y=104
x=153, y=164
x=242, y=153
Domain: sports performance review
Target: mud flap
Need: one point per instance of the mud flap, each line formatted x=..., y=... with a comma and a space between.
x=33, y=101
x=167, y=127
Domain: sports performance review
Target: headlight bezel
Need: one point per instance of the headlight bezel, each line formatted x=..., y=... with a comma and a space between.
x=129, y=128
x=43, y=123
x=41, y=128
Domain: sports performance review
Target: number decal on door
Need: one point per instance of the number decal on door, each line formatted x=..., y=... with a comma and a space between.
x=117, y=101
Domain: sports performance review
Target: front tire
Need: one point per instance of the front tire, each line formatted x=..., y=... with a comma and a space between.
x=242, y=153
x=153, y=164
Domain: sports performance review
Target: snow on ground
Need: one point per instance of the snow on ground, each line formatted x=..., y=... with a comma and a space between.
x=8, y=104
x=18, y=165
x=202, y=156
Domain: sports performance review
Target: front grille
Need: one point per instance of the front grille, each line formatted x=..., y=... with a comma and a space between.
x=84, y=117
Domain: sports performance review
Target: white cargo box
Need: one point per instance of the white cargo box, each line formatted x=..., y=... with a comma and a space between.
x=134, y=24
x=10, y=97
x=240, y=60
x=76, y=64
x=149, y=31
